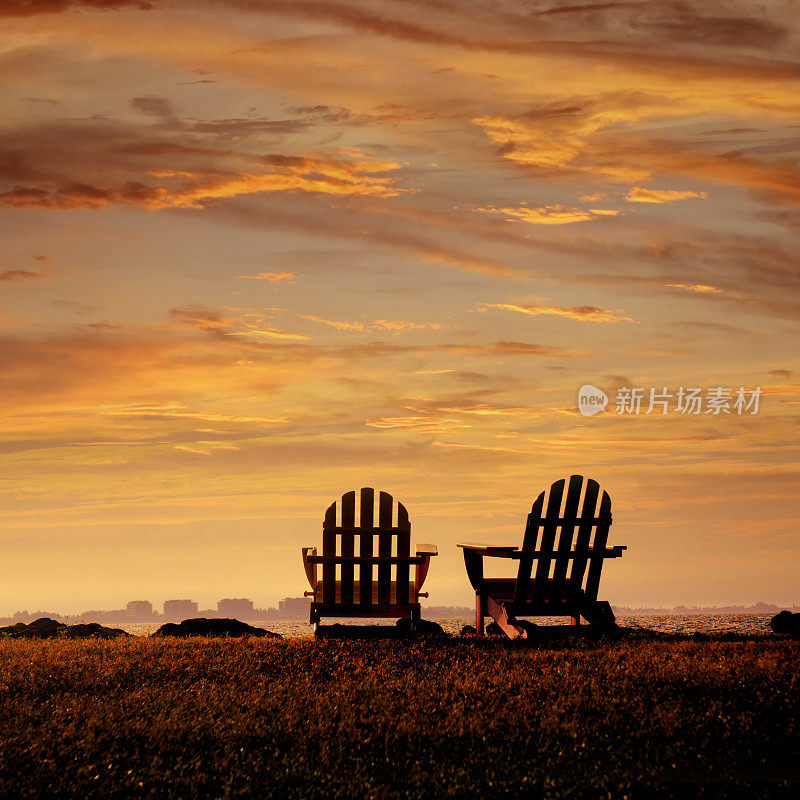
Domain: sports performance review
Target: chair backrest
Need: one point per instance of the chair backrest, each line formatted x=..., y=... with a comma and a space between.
x=570, y=534
x=393, y=535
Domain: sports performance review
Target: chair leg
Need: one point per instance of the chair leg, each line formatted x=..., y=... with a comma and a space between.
x=501, y=616
x=478, y=614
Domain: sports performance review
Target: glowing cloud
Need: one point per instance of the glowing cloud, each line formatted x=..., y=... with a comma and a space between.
x=550, y=215
x=700, y=288
x=272, y=277
x=640, y=195
x=339, y=325
x=582, y=313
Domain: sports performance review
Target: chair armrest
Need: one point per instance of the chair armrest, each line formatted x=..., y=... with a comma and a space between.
x=474, y=553
x=310, y=566
x=423, y=561
x=495, y=550
x=377, y=560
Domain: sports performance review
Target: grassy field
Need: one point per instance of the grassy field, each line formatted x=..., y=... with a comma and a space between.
x=392, y=719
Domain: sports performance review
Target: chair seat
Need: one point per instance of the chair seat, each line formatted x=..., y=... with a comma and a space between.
x=503, y=590
x=392, y=599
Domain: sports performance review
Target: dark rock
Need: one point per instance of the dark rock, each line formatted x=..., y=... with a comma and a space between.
x=93, y=630
x=493, y=629
x=46, y=628
x=786, y=622
x=212, y=627
x=468, y=630
x=421, y=627
x=42, y=628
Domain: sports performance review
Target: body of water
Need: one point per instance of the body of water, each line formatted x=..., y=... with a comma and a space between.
x=666, y=623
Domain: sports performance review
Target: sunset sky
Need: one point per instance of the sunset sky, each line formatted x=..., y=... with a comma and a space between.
x=256, y=254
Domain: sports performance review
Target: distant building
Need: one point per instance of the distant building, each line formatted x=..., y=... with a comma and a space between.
x=139, y=610
x=178, y=610
x=237, y=607
x=294, y=607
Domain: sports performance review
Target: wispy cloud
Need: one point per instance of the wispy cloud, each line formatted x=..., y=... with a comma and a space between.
x=183, y=411
x=214, y=322
x=582, y=313
x=700, y=288
x=551, y=215
x=19, y=275
x=400, y=325
x=422, y=424
x=657, y=196
x=254, y=332
x=272, y=277
x=339, y=325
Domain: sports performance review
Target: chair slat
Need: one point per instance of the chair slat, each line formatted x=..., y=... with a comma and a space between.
x=599, y=544
x=532, y=528
x=549, y=526
x=402, y=517
x=567, y=528
x=348, y=546
x=403, y=551
x=385, y=507
x=329, y=549
x=365, y=546
x=583, y=540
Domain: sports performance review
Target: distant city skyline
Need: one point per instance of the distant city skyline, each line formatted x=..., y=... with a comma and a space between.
x=296, y=608
x=179, y=609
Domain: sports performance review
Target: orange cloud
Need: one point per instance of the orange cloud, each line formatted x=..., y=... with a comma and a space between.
x=423, y=424
x=486, y=410
x=399, y=325
x=200, y=318
x=272, y=277
x=550, y=215
x=268, y=333
x=583, y=313
x=640, y=195
x=339, y=325
x=562, y=146
x=313, y=175
x=183, y=411
x=18, y=275
x=210, y=321
x=17, y=8
x=390, y=325
x=700, y=288
x=197, y=188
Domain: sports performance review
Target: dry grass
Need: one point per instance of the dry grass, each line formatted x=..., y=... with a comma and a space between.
x=437, y=718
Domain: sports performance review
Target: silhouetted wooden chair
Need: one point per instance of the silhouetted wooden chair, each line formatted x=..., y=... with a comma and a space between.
x=563, y=537
x=385, y=586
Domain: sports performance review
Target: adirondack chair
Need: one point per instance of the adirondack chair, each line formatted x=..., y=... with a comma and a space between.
x=385, y=587
x=562, y=543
